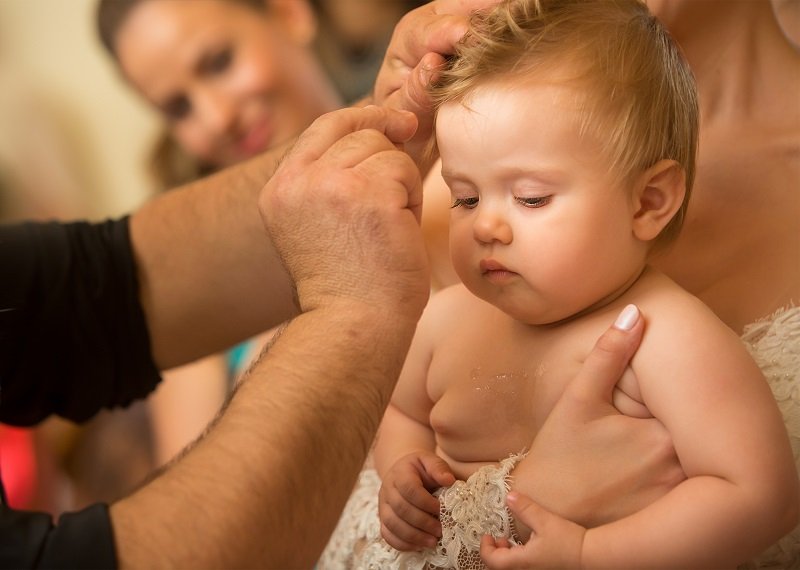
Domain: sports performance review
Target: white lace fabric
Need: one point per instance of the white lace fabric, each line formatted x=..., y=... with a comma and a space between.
x=468, y=510
x=774, y=343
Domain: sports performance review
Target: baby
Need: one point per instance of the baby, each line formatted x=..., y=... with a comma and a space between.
x=567, y=131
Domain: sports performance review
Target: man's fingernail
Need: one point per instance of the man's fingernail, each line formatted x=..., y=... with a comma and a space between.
x=512, y=497
x=425, y=75
x=627, y=318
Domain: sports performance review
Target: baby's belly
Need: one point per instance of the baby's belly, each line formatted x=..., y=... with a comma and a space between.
x=468, y=442
x=463, y=467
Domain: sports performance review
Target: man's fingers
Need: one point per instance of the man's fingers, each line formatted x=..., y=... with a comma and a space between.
x=398, y=166
x=413, y=94
x=609, y=357
x=434, y=27
x=436, y=33
x=354, y=148
x=327, y=130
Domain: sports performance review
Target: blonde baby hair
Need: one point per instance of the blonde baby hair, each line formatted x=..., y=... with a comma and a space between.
x=638, y=93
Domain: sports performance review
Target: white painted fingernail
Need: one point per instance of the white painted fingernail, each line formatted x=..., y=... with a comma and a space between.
x=627, y=318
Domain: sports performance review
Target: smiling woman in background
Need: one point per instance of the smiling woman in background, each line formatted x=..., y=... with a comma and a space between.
x=230, y=77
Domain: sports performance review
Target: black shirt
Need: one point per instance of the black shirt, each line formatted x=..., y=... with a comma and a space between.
x=73, y=340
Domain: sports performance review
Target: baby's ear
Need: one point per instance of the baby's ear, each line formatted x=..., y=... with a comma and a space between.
x=658, y=196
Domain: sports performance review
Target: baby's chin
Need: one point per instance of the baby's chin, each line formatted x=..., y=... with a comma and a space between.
x=538, y=316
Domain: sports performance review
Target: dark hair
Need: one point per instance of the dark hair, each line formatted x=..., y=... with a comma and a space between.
x=111, y=14
x=170, y=165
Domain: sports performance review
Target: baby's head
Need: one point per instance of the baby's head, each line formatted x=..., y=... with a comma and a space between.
x=637, y=93
x=567, y=131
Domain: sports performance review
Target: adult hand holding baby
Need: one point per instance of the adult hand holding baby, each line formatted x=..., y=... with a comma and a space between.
x=589, y=462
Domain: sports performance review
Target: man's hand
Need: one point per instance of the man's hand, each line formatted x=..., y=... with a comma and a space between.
x=589, y=463
x=343, y=211
x=409, y=513
x=419, y=45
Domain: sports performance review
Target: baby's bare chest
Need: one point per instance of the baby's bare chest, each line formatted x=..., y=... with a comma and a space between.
x=492, y=392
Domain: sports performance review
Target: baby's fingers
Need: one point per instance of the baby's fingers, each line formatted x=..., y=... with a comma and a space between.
x=499, y=554
x=437, y=472
x=406, y=532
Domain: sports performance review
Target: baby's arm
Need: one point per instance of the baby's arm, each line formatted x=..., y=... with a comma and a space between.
x=405, y=453
x=742, y=490
x=408, y=511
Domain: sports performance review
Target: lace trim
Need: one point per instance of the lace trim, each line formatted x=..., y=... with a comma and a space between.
x=774, y=343
x=469, y=509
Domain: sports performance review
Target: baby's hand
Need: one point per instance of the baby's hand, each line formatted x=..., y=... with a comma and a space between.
x=408, y=512
x=554, y=542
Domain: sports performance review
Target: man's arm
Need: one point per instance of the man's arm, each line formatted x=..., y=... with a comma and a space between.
x=208, y=275
x=266, y=485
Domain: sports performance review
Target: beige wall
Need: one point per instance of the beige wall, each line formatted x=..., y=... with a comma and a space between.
x=51, y=46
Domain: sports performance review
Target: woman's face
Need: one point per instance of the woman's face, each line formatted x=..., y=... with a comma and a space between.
x=231, y=80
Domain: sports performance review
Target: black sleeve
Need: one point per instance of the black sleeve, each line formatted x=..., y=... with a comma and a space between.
x=81, y=540
x=73, y=338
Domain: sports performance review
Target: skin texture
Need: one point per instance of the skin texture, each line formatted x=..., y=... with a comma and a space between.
x=746, y=95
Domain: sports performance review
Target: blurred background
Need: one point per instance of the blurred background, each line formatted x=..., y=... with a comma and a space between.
x=58, y=86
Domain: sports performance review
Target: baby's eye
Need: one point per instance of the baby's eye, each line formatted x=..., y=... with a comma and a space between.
x=536, y=202
x=465, y=203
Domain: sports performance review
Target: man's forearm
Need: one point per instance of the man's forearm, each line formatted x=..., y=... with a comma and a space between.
x=269, y=481
x=208, y=274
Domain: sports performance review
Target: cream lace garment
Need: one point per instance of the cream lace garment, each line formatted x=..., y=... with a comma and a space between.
x=468, y=510
x=774, y=343
x=475, y=507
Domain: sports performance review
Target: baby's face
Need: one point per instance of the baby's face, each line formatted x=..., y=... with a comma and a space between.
x=539, y=227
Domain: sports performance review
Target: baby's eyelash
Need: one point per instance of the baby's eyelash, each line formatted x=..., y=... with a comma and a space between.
x=464, y=203
x=536, y=202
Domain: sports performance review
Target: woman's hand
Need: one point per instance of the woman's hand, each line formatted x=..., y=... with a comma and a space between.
x=589, y=463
